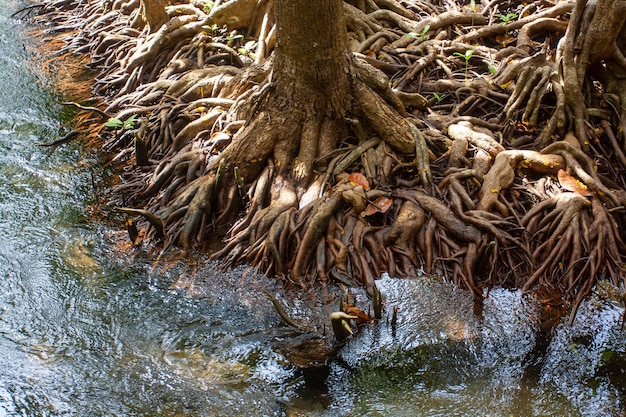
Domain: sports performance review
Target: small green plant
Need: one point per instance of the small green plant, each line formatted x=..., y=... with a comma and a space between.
x=247, y=54
x=506, y=18
x=247, y=50
x=439, y=97
x=210, y=29
x=116, y=123
x=492, y=69
x=208, y=5
x=232, y=38
x=421, y=36
x=473, y=9
x=466, y=56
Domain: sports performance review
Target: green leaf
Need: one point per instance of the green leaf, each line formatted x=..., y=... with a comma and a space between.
x=114, y=122
x=130, y=122
x=422, y=36
x=439, y=97
x=466, y=56
x=506, y=18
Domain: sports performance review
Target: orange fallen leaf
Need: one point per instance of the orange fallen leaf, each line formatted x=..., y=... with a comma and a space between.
x=381, y=204
x=369, y=210
x=362, y=316
x=572, y=184
x=356, y=178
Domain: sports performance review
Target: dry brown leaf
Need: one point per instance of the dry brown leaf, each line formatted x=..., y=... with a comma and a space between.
x=362, y=316
x=570, y=183
x=356, y=178
x=381, y=204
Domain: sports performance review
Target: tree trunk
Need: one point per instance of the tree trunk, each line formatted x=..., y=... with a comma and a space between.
x=591, y=39
x=312, y=58
x=312, y=74
x=151, y=15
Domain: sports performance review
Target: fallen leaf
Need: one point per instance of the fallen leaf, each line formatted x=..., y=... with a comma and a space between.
x=380, y=205
x=369, y=210
x=570, y=183
x=362, y=316
x=356, y=178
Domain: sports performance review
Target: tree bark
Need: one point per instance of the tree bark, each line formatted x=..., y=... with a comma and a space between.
x=313, y=63
x=591, y=38
x=312, y=76
x=152, y=14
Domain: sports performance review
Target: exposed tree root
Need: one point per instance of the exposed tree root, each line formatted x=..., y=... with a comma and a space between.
x=456, y=153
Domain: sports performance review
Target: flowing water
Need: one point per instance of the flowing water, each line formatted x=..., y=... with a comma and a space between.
x=86, y=332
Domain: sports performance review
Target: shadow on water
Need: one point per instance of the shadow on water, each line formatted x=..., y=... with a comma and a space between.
x=87, y=332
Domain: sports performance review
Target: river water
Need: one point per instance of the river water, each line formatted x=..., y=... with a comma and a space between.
x=86, y=332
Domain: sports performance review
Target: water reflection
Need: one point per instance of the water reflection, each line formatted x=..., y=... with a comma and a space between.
x=443, y=361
